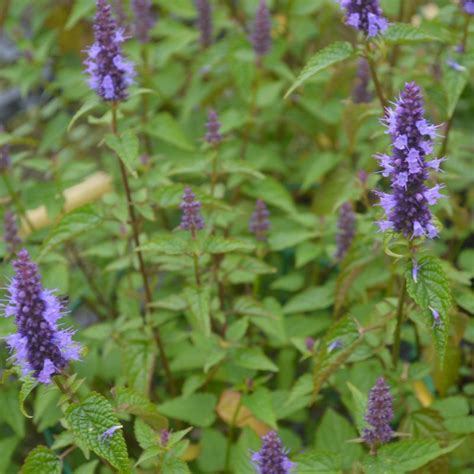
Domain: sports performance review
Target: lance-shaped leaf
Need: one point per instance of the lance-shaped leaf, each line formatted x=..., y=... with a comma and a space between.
x=127, y=148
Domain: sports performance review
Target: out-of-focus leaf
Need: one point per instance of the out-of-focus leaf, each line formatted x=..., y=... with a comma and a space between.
x=127, y=147
x=321, y=462
x=165, y=127
x=404, y=33
x=196, y=409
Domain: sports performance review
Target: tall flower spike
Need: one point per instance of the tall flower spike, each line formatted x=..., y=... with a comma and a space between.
x=5, y=160
x=259, y=223
x=365, y=16
x=12, y=240
x=213, y=126
x=110, y=74
x=204, y=21
x=261, y=35
x=40, y=347
x=407, y=208
x=272, y=457
x=345, y=230
x=360, y=93
x=468, y=6
x=379, y=415
x=191, y=218
x=144, y=19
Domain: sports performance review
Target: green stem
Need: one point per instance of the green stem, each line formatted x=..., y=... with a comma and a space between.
x=141, y=262
x=197, y=275
x=230, y=435
x=398, y=329
x=145, y=102
x=214, y=175
x=17, y=202
x=375, y=78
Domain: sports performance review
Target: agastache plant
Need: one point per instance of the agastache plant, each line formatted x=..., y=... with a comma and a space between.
x=407, y=208
x=144, y=19
x=379, y=415
x=110, y=74
x=365, y=16
x=360, y=93
x=204, y=21
x=261, y=34
x=272, y=457
x=11, y=237
x=345, y=230
x=259, y=223
x=41, y=348
x=191, y=219
x=213, y=126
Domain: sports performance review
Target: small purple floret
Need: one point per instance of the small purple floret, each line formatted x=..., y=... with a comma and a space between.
x=436, y=317
x=259, y=223
x=272, y=457
x=336, y=344
x=346, y=226
x=379, y=415
x=365, y=16
x=468, y=6
x=213, y=126
x=191, y=218
x=110, y=74
x=144, y=19
x=261, y=35
x=40, y=347
x=204, y=22
x=107, y=434
x=164, y=437
x=407, y=207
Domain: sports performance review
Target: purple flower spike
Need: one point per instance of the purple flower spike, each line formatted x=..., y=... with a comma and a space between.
x=40, y=346
x=5, y=160
x=365, y=16
x=360, y=93
x=379, y=415
x=110, y=74
x=164, y=437
x=259, y=223
x=144, y=19
x=468, y=6
x=191, y=219
x=346, y=226
x=11, y=237
x=204, y=22
x=407, y=207
x=309, y=342
x=272, y=457
x=213, y=136
x=261, y=36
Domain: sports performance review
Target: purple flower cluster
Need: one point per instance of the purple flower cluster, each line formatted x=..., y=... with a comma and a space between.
x=40, y=346
x=144, y=19
x=407, y=208
x=365, y=15
x=272, y=457
x=346, y=225
x=110, y=74
x=213, y=126
x=360, y=93
x=261, y=35
x=191, y=219
x=204, y=21
x=468, y=6
x=12, y=240
x=259, y=223
x=379, y=415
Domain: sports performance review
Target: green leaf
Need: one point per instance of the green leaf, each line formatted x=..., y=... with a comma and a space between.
x=324, y=58
x=406, y=456
x=216, y=244
x=260, y=404
x=255, y=359
x=431, y=291
x=127, y=148
x=311, y=299
x=41, y=461
x=138, y=357
x=199, y=300
x=28, y=385
x=359, y=406
x=129, y=401
x=86, y=107
x=165, y=127
x=89, y=420
x=404, y=33
x=197, y=409
x=454, y=83
x=70, y=226
x=167, y=245
x=273, y=193
x=318, y=462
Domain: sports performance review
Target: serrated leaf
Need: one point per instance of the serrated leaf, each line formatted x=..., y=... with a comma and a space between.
x=199, y=300
x=167, y=245
x=404, y=33
x=196, y=409
x=406, y=456
x=127, y=148
x=311, y=299
x=273, y=193
x=318, y=462
x=42, y=461
x=28, y=385
x=255, y=359
x=70, y=226
x=138, y=358
x=216, y=244
x=431, y=291
x=332, y=54
x=261, y=405
x=129, y=401
x=86, y=107
x=89, y=420
x=166, y=128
